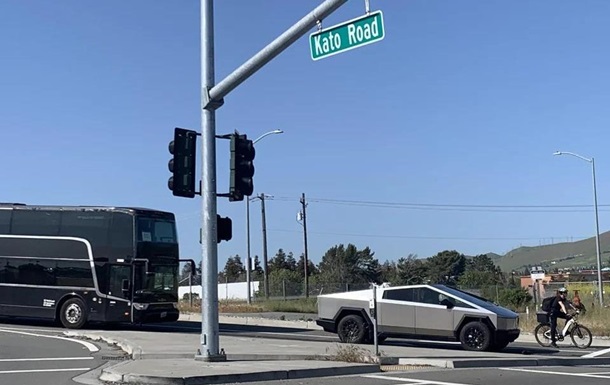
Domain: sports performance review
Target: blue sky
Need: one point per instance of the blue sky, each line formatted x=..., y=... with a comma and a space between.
x=462, y=103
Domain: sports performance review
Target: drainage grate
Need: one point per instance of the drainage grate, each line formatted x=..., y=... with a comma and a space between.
x=115, y=358
x=392, y=368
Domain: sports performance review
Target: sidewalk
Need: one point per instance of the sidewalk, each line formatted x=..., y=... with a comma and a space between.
x=169, y=357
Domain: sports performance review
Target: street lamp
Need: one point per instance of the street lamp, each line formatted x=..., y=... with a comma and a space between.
x=248, y=265
x=598, y=250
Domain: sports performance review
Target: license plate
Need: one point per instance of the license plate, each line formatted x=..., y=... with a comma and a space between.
x=164, y=314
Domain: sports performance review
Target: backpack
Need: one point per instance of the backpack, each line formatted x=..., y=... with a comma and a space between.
x=547, y=303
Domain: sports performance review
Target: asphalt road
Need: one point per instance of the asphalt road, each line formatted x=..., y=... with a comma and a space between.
x=525, y=348
x=498, y=376
x=188, y=327
x=38, y=356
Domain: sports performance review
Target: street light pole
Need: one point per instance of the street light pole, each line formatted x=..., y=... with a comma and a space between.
x=248, y=259
x=600, y=285
x=265, y=259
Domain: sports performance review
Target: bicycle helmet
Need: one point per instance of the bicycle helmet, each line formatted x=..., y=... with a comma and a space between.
x=562, y=290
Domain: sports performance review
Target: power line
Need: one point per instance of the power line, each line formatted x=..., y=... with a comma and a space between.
x=427, y=237
x=453, y=207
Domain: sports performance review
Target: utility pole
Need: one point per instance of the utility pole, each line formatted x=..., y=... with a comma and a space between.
x=306, y=259
x=212, y=98
x=266, y=272
x=248, y=260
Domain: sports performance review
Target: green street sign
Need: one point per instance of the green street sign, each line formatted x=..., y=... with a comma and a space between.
x=348, y=35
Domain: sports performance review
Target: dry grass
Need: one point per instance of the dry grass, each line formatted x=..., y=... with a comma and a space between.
x=351, y=353
x=302, y=305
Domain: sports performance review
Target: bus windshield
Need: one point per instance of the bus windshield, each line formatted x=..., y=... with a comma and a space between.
x=156, y=230
x=162, y=279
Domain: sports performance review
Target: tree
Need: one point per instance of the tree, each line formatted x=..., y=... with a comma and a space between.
x=411, y=271
x=233, y=269
x=282, y=261
x=257, y=271
x=481, y=262
x=311, y=267
x=341, y=264
x=516, y=298
x=446, y=266
x=388, y=272
x=480, y=272
x=285, y=282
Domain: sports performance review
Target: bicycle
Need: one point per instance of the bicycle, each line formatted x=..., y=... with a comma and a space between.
x=572, y=328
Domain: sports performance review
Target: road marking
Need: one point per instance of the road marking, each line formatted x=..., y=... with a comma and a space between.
x=597, y=353
x=88, y=345
x=412, y=381
x=30, y=329
x=42, y=370
x=599, y=373
x=557, y=373
x=45, y=359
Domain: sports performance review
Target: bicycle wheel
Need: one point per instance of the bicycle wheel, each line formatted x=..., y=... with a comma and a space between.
x=581, y=336
x=542, y=333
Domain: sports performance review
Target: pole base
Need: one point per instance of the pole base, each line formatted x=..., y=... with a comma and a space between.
x=220, y=357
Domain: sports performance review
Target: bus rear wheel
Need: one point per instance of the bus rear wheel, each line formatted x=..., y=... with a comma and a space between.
x=73, y=314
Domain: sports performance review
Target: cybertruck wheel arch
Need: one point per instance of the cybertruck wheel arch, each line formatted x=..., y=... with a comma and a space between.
x=343, y=311
x=466, y=318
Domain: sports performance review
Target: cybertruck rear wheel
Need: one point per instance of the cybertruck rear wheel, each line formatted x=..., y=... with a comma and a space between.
x=352, y=329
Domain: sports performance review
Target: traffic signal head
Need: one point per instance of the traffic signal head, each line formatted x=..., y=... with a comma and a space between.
x=182, y=165
x=242, y=167
x=224, y=229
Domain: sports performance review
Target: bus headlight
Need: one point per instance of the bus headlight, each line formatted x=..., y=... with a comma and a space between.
x=140, y=306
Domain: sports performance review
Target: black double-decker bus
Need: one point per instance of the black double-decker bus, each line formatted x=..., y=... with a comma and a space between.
x=78, y=263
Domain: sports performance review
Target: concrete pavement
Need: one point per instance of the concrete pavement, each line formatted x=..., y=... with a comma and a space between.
x=165, y=354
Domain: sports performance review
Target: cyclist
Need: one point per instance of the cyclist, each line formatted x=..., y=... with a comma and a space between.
x=558, y=310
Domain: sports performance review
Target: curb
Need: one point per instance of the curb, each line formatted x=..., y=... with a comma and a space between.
x=504, y=362
x=134, y=351
x=111, y=375
x=254, y=321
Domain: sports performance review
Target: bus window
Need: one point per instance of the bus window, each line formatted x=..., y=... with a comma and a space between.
x=35, y=222
x=92, y=226
x=121, y=236
x=117, y=274
x=5, y=221
x=156, y=230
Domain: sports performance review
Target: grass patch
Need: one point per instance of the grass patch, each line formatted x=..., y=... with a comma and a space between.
x=301, y=305
x=351, y=353
x=597, y=320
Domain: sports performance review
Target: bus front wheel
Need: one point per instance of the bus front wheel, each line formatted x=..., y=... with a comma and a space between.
x=73, y=314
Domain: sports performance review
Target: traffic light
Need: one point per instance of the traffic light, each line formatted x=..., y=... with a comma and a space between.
x=242, y=167
x=182, y=165
x=224, y=229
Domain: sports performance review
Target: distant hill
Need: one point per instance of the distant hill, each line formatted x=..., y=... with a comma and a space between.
x=579, y=254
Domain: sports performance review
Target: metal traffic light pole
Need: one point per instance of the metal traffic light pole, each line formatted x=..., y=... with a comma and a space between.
x=212, y=98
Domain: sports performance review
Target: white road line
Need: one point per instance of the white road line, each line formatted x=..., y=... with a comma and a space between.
x=31, y=329
x=599, y=373
x=88, y=345
x=597, y=353
x=42, y=370
x=556, y=373
x=412, y=381
x=45, y=359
